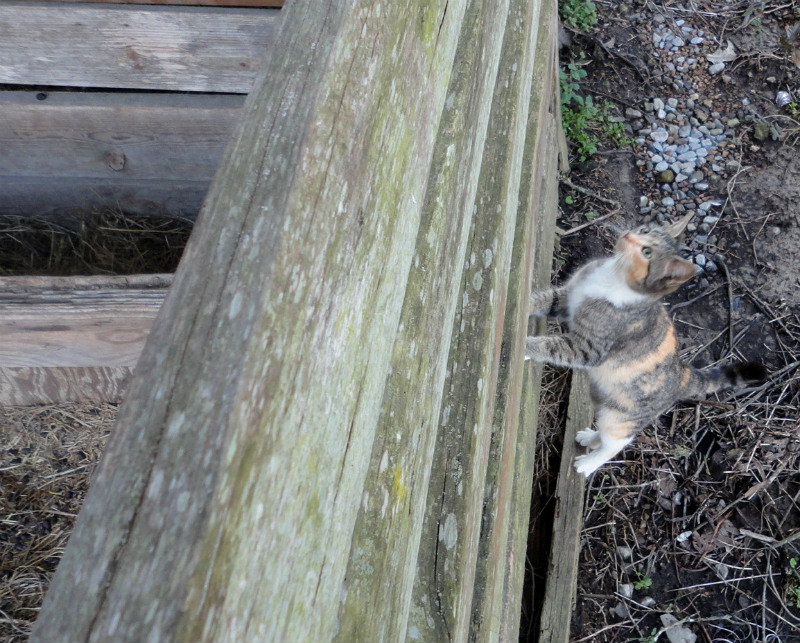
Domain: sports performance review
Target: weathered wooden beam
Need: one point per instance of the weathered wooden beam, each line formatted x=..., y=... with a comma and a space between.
x=502, y=548
x=388, y=529
x=141, y=153
x=56, y=385
x=562, y=572
x=73, y=339
x=99, y=321
x=209, y=3
x=224, y=507
x=201, y=49
x=465, y=563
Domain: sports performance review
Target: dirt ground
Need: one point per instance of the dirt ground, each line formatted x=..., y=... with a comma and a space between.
x=699, y=519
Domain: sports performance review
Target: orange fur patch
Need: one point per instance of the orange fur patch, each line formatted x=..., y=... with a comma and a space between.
x=637, y=272
x=615, y=424
x=615, y=371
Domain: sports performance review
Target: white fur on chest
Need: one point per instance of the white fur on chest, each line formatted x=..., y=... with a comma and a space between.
x=601, y=280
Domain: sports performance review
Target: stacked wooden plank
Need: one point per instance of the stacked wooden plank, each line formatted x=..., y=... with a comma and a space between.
x=80, y=126
x=329, y=435
x=116, y=105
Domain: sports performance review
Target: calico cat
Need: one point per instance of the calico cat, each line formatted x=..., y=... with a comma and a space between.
x=621, y=334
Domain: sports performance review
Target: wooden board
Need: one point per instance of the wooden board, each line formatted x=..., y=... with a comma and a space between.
x=210, y=3
x=69, y=322
x=562, y=572
x=142, y=153
x=200, y=49
x=56, y=385
x=346, y=298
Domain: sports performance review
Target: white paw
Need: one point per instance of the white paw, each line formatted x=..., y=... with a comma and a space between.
x=588, y=438
x=589, y=463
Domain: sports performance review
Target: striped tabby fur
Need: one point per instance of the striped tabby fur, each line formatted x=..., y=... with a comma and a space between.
x=621, y=334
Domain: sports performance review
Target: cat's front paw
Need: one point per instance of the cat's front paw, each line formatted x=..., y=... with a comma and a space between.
x=535, y=349
x=589, y=463
x=588, y=438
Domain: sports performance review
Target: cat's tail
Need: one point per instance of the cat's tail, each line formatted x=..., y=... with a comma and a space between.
x=697, y=383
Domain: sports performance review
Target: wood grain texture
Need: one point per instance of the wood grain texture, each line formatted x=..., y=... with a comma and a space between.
x=562, y=572
x=141, y=153
x=30, y=386
x=307, y=445
x=66, y=322
x=499, y=574
x=195, y=49
x=209, y=3
x=273, y=347
x=388, y=534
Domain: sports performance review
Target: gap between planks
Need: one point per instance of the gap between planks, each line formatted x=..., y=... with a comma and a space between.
x=562, y=572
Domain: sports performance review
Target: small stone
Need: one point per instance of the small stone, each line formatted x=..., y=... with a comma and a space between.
x=678, y=42
x=701, y=238
x=697, y=40
x=659, y=136
x=716, y=68
x=680, y=178
x=633, y=113
x=643, y=201
x=745, y=101
x=700, y=260
x=733, y=122
x=647, y=601
x=662, y=166
x=710, y=267
x=668, y=201
x=666, y=177
x=625, y=553
x=658, y=104
x=775, y=231
x=696, y=177
x=662, y=114
x=672, y=102
x=701, y=186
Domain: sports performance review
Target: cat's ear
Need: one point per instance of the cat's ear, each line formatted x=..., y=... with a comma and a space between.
x=675, y=230
x=678, y=271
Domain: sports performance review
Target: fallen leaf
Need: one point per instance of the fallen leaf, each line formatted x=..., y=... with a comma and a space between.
x=722, y=55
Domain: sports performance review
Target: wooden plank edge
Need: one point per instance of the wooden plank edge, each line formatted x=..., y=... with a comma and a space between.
x=255, y=4
x=80, y=282
x=562, y=572
x=31, y=386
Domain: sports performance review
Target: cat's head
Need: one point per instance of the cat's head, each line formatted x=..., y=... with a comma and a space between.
x=649, y=257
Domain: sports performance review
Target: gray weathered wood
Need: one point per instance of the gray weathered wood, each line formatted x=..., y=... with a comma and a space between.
x=141, y=153
x=70, y=322
x=56, y=385
x=507, y=493
x=202, y=49
x=213, y=3
x=273, y=346
x=388, y=535
x=343, y=338
x=562, y=572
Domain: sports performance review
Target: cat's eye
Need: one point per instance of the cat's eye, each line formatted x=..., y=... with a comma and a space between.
x=647, y=252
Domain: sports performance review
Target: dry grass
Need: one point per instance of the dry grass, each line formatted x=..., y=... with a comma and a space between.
x=96, y=242
x=48, y=457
